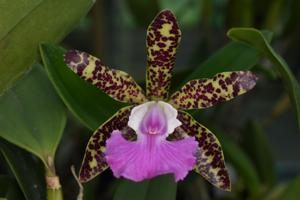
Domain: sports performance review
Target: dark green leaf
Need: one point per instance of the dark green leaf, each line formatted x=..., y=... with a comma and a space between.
x=158, y=188
x=24, y=24
x=129, y=190
x=162, y=188
x=25, y=169
x=32, y=116
x=87, y=103
x=232, y=57
x=292, y=191
x=257, y=146
x=256, y=39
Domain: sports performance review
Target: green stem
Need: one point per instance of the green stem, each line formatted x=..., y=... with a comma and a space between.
x=54, y=190
x=54, y=194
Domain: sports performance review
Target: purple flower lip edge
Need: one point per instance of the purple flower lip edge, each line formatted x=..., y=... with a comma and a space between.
x=151, y=154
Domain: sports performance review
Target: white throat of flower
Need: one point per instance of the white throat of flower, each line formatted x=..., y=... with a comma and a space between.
x=154, y=118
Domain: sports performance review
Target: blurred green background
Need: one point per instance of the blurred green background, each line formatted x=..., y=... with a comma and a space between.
x=258, y=131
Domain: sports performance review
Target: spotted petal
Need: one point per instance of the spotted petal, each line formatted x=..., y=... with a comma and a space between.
x=205, y=93
x=94, y=160
x=117, y=84
x=163, y=36
x=210, y=159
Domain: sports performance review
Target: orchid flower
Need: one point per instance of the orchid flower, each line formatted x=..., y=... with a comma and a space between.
x=155, y=136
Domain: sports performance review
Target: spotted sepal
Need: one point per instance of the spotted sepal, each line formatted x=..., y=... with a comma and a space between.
x=163, y=37
x=117, y=84
x=205, y=93
x=94, y=161
x=209, y=157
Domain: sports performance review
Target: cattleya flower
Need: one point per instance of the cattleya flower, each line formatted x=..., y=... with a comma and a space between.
x=154, y=135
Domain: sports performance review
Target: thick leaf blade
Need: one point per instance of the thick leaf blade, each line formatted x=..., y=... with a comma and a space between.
x=158, y=188
x=32, y=116
x=90, y=105
x=162, y=188
x=25, y=170
x=256, y=39
x=131, y=190
x=14, y=13
x=235, y=56
x=23, y=25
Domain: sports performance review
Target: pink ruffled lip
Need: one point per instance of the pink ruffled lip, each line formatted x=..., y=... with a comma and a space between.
x=138, y=160
x=151, y=154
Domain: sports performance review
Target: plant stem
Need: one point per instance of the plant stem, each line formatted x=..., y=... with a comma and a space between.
x=54, y=190
x=54, y=194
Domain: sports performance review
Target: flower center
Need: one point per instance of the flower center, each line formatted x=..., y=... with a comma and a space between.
x=152, y=130
x=153, y=118
x=154, y=122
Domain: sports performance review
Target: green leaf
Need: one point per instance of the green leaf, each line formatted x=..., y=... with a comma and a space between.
x=162, y=187
x=234, y=56
x=86, y=102
x=240, y=161
x=256, y=39
x=158, y=188
x=292, y=191
x=256, y=145
x=32, y=116
x=131, y=190
x=24, y=24
x=26, y=171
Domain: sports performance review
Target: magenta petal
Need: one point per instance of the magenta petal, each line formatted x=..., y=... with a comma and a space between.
x=150, y=156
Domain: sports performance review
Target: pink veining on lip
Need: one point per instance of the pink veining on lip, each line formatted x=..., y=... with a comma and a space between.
x=151, y=154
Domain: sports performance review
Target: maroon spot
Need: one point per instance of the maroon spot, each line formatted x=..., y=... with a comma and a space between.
x=161, y=45
x=72, y=56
